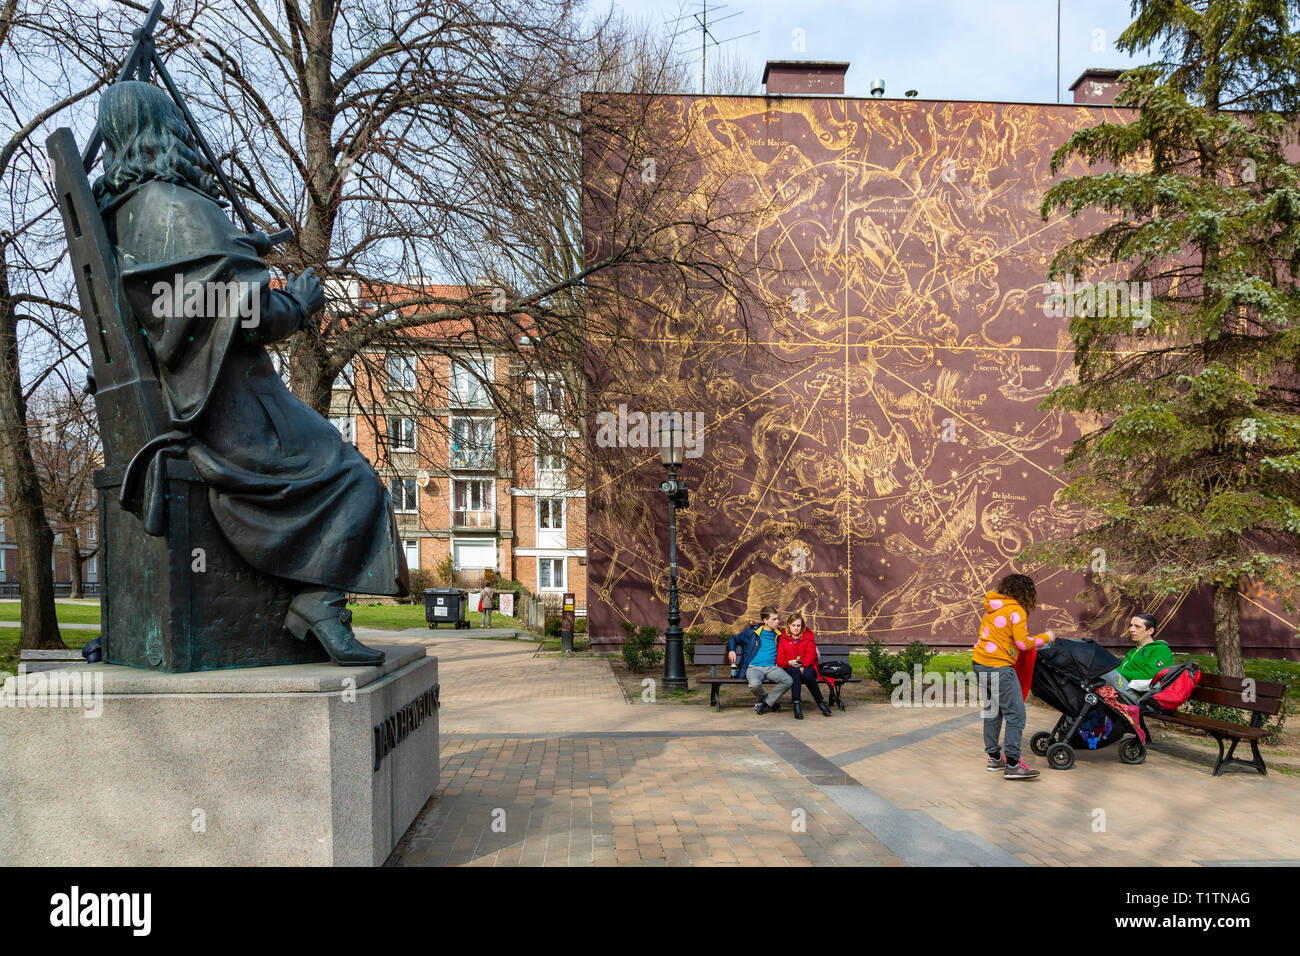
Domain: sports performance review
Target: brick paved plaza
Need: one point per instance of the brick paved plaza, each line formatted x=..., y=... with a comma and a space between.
x=545, y=762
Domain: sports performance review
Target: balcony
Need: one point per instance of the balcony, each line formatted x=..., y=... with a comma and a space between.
x=473, y=520
x=474, y=459
x=468, y=396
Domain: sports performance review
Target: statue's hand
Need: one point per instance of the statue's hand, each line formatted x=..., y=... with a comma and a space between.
x=307, y=289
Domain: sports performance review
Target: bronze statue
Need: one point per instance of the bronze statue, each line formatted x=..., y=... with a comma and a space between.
x=292, y=499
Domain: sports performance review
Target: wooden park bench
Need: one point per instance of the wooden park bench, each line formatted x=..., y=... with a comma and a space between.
x=715, y=656
x=1266, y=698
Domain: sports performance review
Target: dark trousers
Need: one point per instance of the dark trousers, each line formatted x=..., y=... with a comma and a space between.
x=809, y=677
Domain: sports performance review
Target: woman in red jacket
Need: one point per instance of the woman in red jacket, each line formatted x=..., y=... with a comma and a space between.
x=796, y=652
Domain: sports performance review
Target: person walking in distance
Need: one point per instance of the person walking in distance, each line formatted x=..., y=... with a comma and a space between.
x=487, y=596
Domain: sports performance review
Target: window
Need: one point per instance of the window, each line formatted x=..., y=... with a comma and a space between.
x=91, y=567
x=403, y=491
x=401, y=372
x=471, y=504
x=412, y=549
x=550, y=573
x=467, y=383
x=471, y=443
x=472, y=495
x=548, y=394
x=347, y=427
x=401, y=434
x=550, y=453
x=550, y=514
x=91, y=531
x=345, y=377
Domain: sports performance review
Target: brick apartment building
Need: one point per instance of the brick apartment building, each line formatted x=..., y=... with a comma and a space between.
x=61, y=562
x=465, y=481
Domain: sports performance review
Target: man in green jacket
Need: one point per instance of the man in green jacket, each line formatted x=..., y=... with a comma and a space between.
x=1148, y=658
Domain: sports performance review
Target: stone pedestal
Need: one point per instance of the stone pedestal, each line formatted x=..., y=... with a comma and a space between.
x=295, y=765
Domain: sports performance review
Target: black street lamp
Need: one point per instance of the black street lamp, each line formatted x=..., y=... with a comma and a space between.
x=670, y=448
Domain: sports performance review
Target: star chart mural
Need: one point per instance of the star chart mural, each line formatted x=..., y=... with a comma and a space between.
x=875, y=457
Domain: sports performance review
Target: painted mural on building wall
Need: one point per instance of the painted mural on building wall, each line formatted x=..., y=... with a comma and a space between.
x=874, y=454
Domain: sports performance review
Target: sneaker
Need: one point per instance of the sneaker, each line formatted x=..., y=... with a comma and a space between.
x=761, y=707
x=1019, y=772
x=775, y=708
x=997, y=764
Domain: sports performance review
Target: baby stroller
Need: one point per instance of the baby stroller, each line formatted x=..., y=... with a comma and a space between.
x=1068, y=678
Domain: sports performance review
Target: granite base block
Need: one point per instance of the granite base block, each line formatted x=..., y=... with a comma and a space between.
x=258, y=766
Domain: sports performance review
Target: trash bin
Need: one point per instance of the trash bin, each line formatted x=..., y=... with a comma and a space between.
x=446, y=606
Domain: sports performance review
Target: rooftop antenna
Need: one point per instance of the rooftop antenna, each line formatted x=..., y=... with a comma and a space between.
x=706, y=35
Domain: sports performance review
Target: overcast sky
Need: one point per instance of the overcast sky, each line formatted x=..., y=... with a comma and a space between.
x=944, y=49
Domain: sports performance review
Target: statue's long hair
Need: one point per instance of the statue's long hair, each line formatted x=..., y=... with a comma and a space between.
x=146, y=137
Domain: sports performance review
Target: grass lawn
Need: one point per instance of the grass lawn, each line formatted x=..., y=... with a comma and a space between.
x=87, y=613
x=398, y=616
x=1260, y=668
x=9, y=645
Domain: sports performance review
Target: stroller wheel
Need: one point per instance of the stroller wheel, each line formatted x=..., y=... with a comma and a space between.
x=1039, y=742
x=1060, y=756
x=1132, y=751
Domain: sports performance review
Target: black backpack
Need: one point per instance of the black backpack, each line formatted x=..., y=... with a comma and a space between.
x=836, y=670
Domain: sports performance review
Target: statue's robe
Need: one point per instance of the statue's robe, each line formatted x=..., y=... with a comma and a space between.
x=289, y=495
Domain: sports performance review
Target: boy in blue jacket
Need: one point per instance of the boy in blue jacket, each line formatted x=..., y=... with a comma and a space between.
x=756, y=645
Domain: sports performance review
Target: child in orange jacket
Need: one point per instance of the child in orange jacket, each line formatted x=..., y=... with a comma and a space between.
x=1003, y=633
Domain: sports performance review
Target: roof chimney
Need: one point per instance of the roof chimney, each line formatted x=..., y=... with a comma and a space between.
x=1096, y=86
x=804, y=77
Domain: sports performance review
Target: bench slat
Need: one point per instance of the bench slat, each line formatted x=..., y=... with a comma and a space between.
x=1240, y=731
x=1232, y=698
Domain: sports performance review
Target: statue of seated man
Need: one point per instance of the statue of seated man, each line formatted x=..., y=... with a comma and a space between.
x=294, y=501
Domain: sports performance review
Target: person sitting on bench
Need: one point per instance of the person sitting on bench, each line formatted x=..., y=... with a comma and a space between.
x=757, y=647
x=1141, y=664
x=796, y=651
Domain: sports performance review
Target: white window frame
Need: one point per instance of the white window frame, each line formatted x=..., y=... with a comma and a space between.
x=345, y=378
x=488, y=501
x=548, y=385
x=541, y=459
x=548, y=500
x=475, y=427
x=406, y=552
x=399, y=500
x=395, y=444
x=404, y=364
x=563, y=565
x=347, y=426
x=468, y=390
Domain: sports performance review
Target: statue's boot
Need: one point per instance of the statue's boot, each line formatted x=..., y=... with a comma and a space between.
x=326, y=615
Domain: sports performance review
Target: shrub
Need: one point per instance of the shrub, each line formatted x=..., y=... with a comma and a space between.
x=882, y=665
x=443, y=569
x=689, y=639
x=639, y=650
x=421, y=578
x=552, y=625
x=579, y=625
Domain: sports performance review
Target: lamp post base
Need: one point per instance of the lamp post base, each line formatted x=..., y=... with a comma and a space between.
x=674, y=659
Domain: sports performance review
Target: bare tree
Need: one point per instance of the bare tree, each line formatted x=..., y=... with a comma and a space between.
x=43, y=76
x=66, y=450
